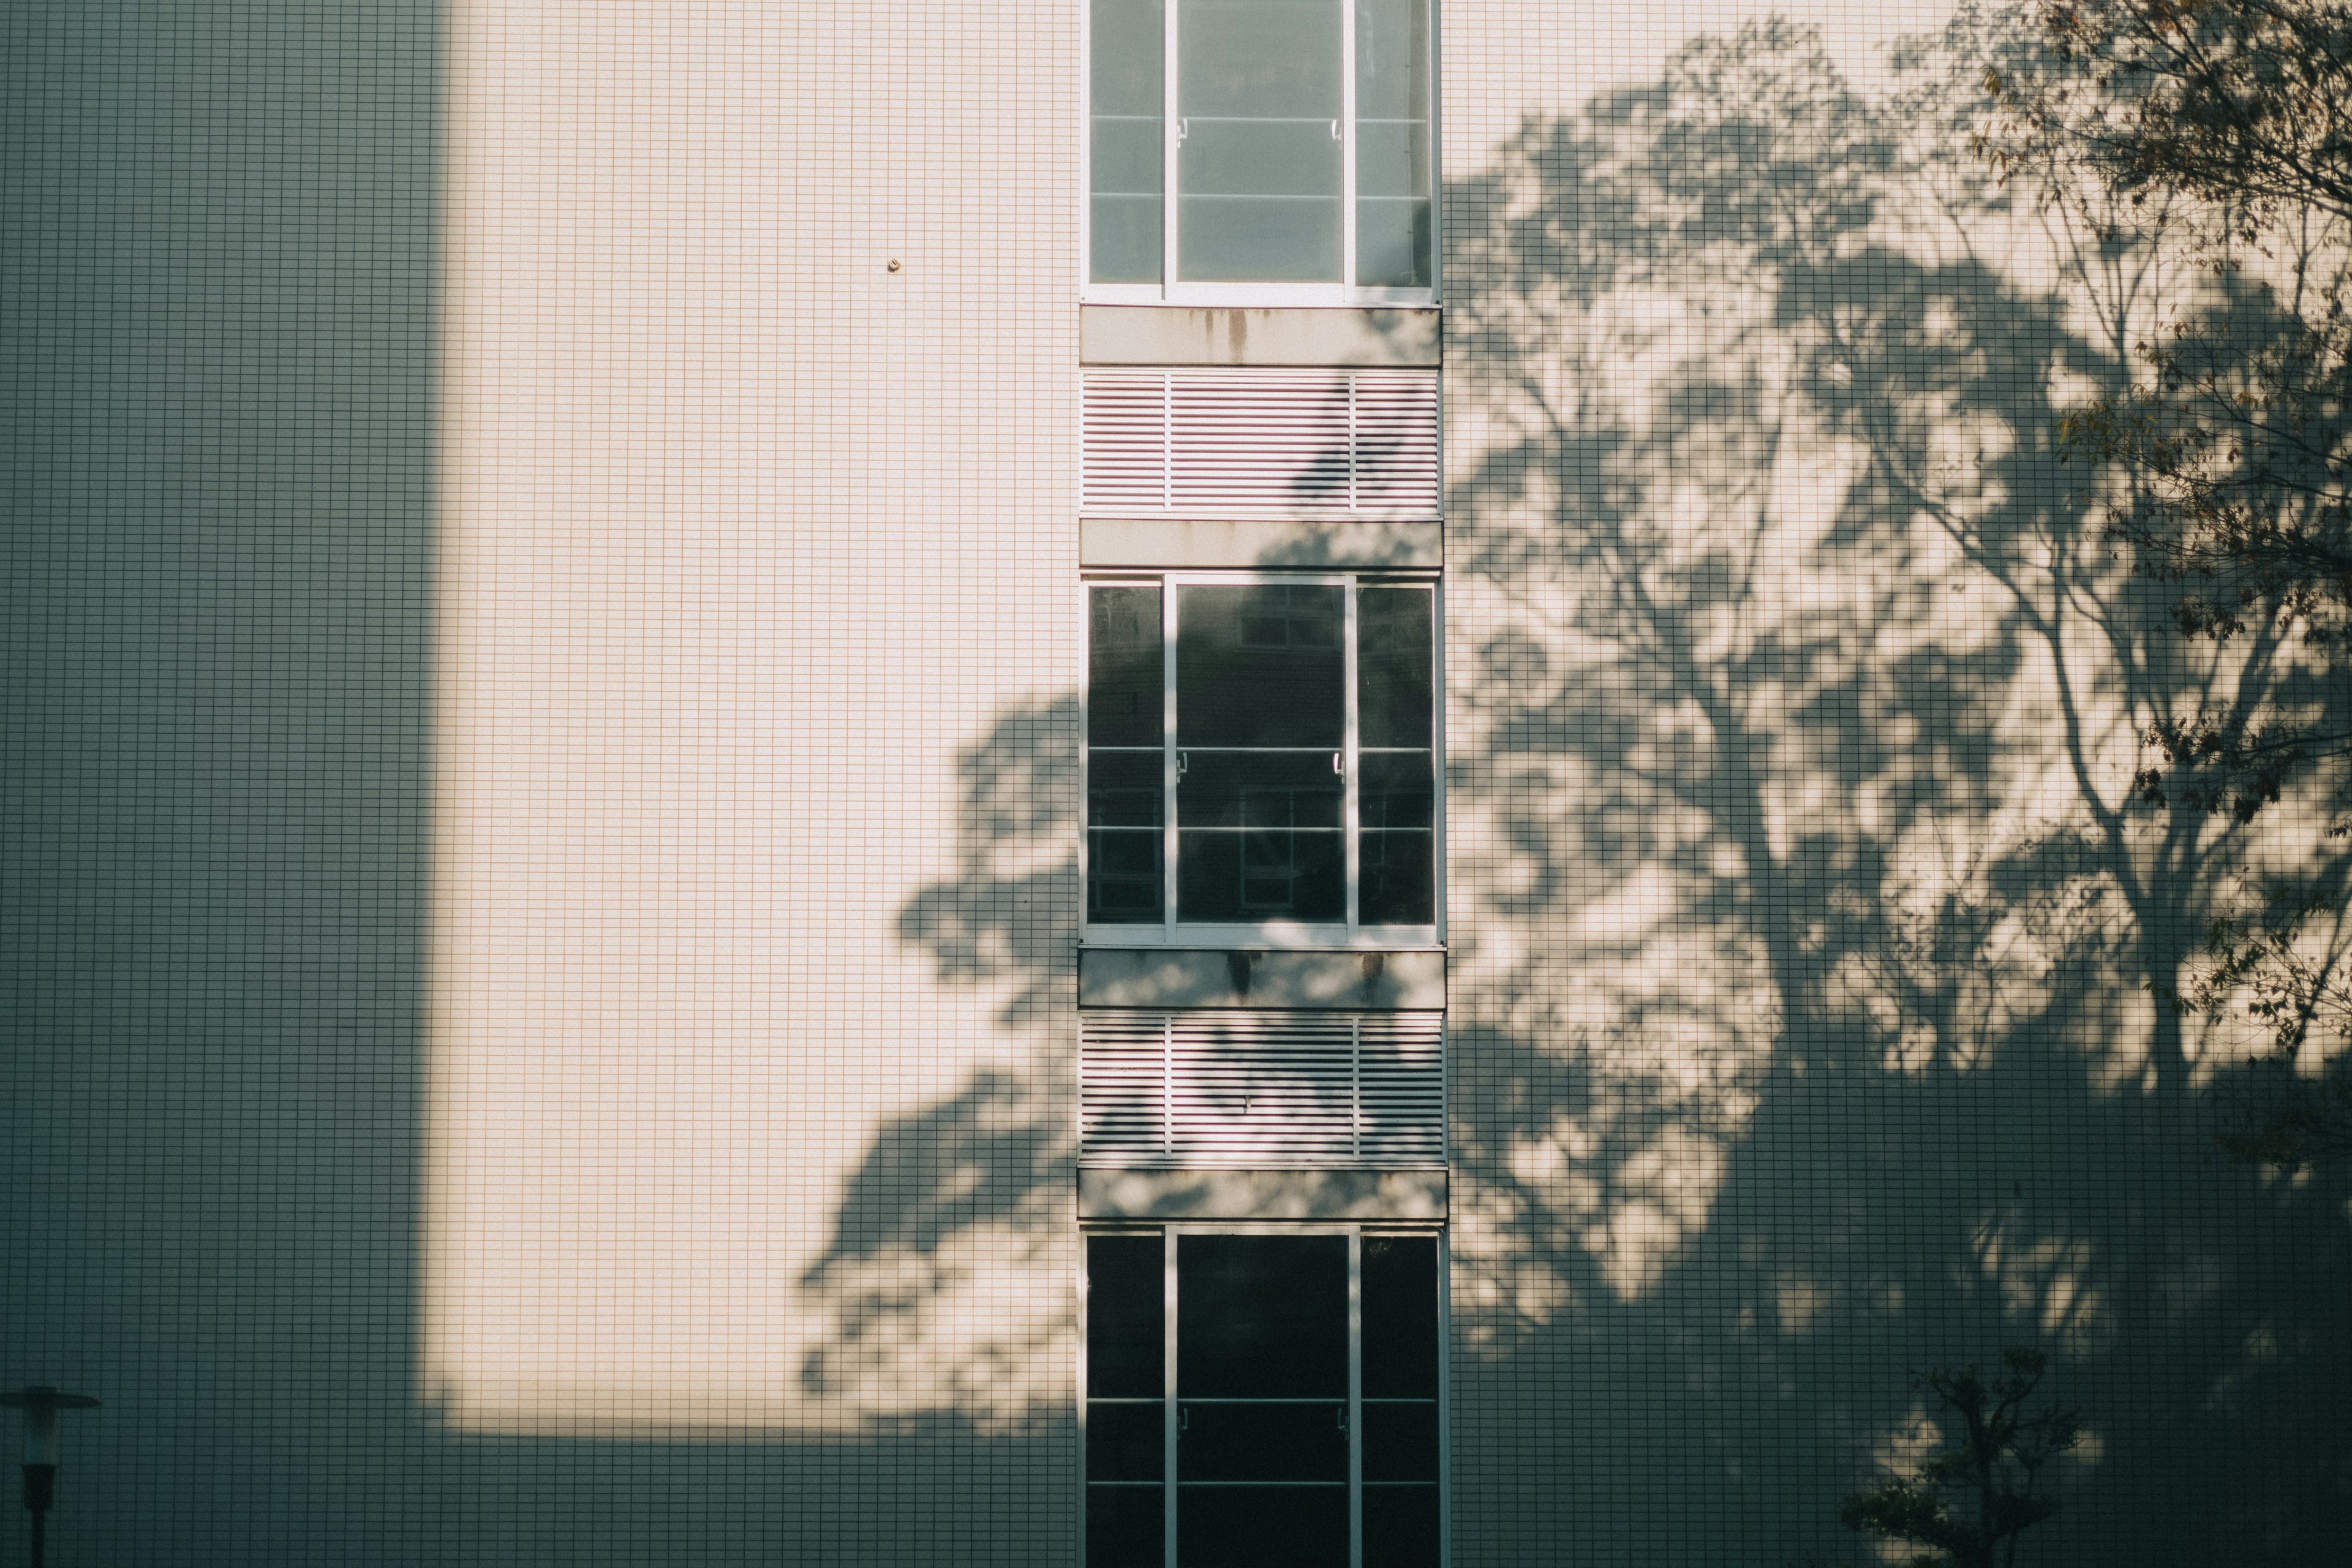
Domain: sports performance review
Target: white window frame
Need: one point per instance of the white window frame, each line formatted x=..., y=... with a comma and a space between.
x=1355, y=1233
x=1352, y=935
x=1344, y=294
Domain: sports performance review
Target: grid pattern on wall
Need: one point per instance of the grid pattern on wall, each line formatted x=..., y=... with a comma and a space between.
x=539, y=801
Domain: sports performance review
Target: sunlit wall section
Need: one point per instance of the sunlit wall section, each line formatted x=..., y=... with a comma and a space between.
x=756, y=551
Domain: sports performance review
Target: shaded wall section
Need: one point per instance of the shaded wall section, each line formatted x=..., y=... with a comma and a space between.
x=220, y=239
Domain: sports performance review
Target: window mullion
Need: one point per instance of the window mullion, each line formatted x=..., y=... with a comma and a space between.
x=1346, y=144
x=1350, y=755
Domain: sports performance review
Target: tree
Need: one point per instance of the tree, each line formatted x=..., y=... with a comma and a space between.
x=1996, y=1465
x=2224, y=128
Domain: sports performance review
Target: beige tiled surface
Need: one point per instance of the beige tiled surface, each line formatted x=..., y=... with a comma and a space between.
x=748, y=541
x=538, y=845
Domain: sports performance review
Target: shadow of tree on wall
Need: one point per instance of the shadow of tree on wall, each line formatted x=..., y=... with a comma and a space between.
x=1794, y=708
x=1801, y=942
x=996, y=1155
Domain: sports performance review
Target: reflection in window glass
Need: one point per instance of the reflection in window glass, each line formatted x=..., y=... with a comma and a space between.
x=1261, y=726
x=1125, y=129
x=1254, y=745
x=1392, y=143
x=1258, y=106
x=1397, y=789
x=1261, y=131
x=1125, y=784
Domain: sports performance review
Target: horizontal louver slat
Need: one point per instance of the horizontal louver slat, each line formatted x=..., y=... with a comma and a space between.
x=1281, y=442
x=1263, y=1088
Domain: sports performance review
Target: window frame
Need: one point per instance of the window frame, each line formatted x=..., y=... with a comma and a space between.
x=1343, y=294
x=1357, y=1231
x=1170, y=931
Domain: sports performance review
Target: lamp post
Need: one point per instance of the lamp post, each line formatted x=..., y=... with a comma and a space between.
x=40, y=1404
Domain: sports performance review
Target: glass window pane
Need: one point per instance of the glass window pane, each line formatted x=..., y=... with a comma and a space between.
x=1258, y=97
x=1395, y=670
x=1124, y=1294
x=1125, y=1527
x=1400, y=1317
x=1396, y=858
x=1401, y=1527
x=1261, y=1317
x=1259, y=836
x=1124, y=1442
x=1123, y=789
x=1262, y=1527
x=1124, y=842
x=1393, y=145
x=1259, y=791
x=1128, y=76
x=1252, y=877
x=1260, y=664
x=1249, y=1441
x=1399, y=1441
x=1124, y=673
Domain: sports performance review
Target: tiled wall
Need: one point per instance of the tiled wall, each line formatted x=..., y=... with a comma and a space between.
x=541, y=880
x=1799, y=931
x=539, y=872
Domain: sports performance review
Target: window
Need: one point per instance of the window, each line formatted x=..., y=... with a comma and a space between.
x=1296, y=165
x=1271, y=743
x=1283, y=1388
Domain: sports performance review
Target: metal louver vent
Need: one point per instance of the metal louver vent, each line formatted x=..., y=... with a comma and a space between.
x=1263, y=1088
x=1358, y=442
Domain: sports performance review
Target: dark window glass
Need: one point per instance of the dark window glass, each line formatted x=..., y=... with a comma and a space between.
x=1125, y=1344
x=1397, y=795
x=1247, y=1441
x=1123, y=668
x=1126, y=1378
x=1260, y=664
x=1126, y=699
x=1395, y=641
x=1401, y=1316
x=1261, y=721
x=1260, y=837
x=1260, y=716
x=1401, y=1527
x=1261, y=1317
x=1125, y=1442
x=1125, y=1527
x=1262, y=1527
x=1124, y=844
x=1401, y=1440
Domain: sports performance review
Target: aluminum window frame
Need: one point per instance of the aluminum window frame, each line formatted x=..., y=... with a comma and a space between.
x=1345, y=294
x=1356, y=1232
x=1352, y=935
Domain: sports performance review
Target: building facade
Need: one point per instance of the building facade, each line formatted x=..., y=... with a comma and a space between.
x=1117, y=781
